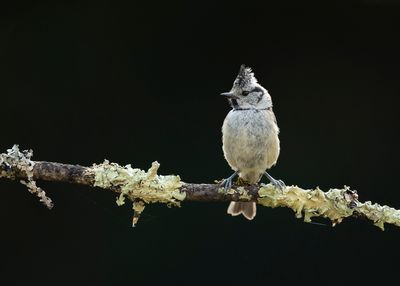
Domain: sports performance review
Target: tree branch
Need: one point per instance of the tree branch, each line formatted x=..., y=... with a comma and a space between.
x=147, y=187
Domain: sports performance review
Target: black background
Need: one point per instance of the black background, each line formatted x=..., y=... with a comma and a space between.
x=136, y=82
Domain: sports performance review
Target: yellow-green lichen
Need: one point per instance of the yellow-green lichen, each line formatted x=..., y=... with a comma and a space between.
x=379, y=214
x=229, y=191
x=221, y=191
x=336, y=204
x=120, y=200
x=135, y=183
x=138, y=208
x=308, y=203
x=243, y=194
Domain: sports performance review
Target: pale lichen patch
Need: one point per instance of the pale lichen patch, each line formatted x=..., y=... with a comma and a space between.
x=243, y=194
x=16, y=161
x=221, y=190
x=308, y=203
x=241, y=191
x=120, y=200
x=138, y=208
x=135, y=183
x=380, y=214
x=336, y=204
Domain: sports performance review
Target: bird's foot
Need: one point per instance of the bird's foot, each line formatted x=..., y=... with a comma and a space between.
x=276, y=183
x=227, y=183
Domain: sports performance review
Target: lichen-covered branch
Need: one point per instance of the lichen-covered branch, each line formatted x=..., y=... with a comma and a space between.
x=15, y=164
x=143, y=187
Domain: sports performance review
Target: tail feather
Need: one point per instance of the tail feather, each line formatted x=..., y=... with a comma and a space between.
x=248, y=209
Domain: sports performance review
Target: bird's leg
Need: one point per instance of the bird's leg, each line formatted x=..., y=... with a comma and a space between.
x=228, y=182
x=277, y=183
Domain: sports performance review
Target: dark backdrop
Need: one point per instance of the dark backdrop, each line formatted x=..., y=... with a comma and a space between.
x=136, y=82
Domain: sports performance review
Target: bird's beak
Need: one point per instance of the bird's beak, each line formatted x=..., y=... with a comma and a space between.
x=230, y=95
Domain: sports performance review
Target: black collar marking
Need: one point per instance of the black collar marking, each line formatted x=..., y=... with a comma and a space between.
x=239, y=109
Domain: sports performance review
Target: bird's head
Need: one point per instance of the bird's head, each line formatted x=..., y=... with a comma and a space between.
x=247, y=93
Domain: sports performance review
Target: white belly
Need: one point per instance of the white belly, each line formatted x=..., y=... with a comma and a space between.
x=250, y=142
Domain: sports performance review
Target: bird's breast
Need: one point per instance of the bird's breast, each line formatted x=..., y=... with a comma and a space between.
x=250, y=140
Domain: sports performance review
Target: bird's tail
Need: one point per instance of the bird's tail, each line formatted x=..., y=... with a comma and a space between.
x=248, y=209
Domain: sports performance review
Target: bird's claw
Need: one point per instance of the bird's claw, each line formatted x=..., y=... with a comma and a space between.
x=276, y=183
x=227, y=183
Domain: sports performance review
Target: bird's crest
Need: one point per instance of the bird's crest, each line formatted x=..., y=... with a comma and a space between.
x=245, y=77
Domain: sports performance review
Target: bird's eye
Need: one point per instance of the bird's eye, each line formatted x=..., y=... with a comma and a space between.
x=245, y=93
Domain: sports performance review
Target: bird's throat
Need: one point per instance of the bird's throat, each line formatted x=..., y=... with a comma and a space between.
x=234, y=103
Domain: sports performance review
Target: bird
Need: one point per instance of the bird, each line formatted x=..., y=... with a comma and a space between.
x=250, y=141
